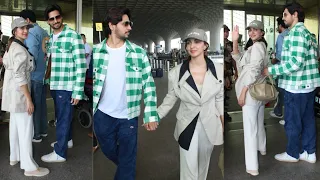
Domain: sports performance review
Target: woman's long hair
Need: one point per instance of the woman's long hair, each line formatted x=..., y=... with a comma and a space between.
x=10, y=42
x=250, y=43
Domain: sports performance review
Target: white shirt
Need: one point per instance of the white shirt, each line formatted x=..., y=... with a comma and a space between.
x=113, y=97
x=88, y=51
x=55, y=37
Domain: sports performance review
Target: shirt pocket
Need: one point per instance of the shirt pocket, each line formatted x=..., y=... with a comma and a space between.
x=65, y=47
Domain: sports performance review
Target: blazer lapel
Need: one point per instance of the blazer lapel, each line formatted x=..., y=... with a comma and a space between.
x=210, y=79
x=189, y=83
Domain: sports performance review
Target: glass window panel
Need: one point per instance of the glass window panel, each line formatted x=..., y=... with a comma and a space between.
x=227, y=20
x=269, y=27
x=239, y=19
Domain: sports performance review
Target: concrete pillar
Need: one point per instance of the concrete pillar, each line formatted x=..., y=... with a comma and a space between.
x=182, y=36
x=79, y=16
x=168, y=44
x=157, y=43
x=215, y=37
x=150, y=49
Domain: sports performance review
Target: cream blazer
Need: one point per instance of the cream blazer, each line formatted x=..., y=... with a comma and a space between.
x=206, y=106
x=250, y=66
x=18, y=63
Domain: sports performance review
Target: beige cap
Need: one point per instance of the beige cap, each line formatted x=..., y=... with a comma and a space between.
x=20, y=22
x=196, y=33
x=256, y=24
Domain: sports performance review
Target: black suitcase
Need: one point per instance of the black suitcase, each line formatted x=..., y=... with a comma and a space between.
x=160, y=72
x=154, y=73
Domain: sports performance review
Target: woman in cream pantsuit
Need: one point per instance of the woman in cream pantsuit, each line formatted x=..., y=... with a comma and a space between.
x=18, y=63
x=250, y=66
x=198, y=83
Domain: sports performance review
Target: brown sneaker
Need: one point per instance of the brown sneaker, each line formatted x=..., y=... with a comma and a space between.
x=37, y=173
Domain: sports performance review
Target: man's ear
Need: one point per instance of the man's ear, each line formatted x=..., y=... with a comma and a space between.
x=111, y=26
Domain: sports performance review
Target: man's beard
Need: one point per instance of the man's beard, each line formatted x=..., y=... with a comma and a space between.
x=122, y=37
x=53, y=26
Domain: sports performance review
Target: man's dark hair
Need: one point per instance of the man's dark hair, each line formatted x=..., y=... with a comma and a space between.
x=50, y=8
x=28, y=14
x=281, y=22
x=296, y=7
x=114, y=16
x=83, y=35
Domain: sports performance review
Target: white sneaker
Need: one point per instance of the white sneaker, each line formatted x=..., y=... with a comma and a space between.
x=37, y=173
x=70, y=144
x=52, y=157
x=284, y=157
x=263, y=153
x=274, y=115
x=44, y=135
x=253, y=172
x=282, y=122
x=37, y=140
x=12, y=163
x=311, y=158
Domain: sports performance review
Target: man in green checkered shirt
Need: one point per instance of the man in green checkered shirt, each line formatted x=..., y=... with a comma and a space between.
x=66, y=74
x=121, y=71
x=299, y=77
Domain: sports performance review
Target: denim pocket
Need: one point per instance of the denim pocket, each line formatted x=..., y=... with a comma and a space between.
x=128, y=127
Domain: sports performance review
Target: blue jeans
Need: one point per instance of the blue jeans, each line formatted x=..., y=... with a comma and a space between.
x=64, y=113
x=300, y=123
x=38, y=95
x=278, y=109
x=118, y=142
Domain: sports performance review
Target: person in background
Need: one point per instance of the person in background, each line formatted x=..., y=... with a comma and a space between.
x=19, y=63
x=38, y=87
x=88, y=50
x=283, y=31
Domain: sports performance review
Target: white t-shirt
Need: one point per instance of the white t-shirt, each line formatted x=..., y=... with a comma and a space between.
x=55, y=37
x=113, y=97
x=88, y=51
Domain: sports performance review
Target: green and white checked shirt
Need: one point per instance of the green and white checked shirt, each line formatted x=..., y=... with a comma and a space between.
x=68, y=63
x=299, y=67
x=138, y=77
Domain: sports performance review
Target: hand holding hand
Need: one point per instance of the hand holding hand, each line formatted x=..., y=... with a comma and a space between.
x=151, y=126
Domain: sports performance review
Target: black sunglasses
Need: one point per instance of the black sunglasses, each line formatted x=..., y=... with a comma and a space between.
x=54, y=18
x=127, y=23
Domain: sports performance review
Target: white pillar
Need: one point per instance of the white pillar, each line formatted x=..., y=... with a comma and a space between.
x=79, y=16
x=168, y=44
x=150, y=47
x=215, y=38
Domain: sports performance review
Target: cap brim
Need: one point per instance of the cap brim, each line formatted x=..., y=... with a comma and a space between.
x=254, y=28
x=28, y=25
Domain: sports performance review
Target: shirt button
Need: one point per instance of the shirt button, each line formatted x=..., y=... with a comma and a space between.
x=30, y=60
